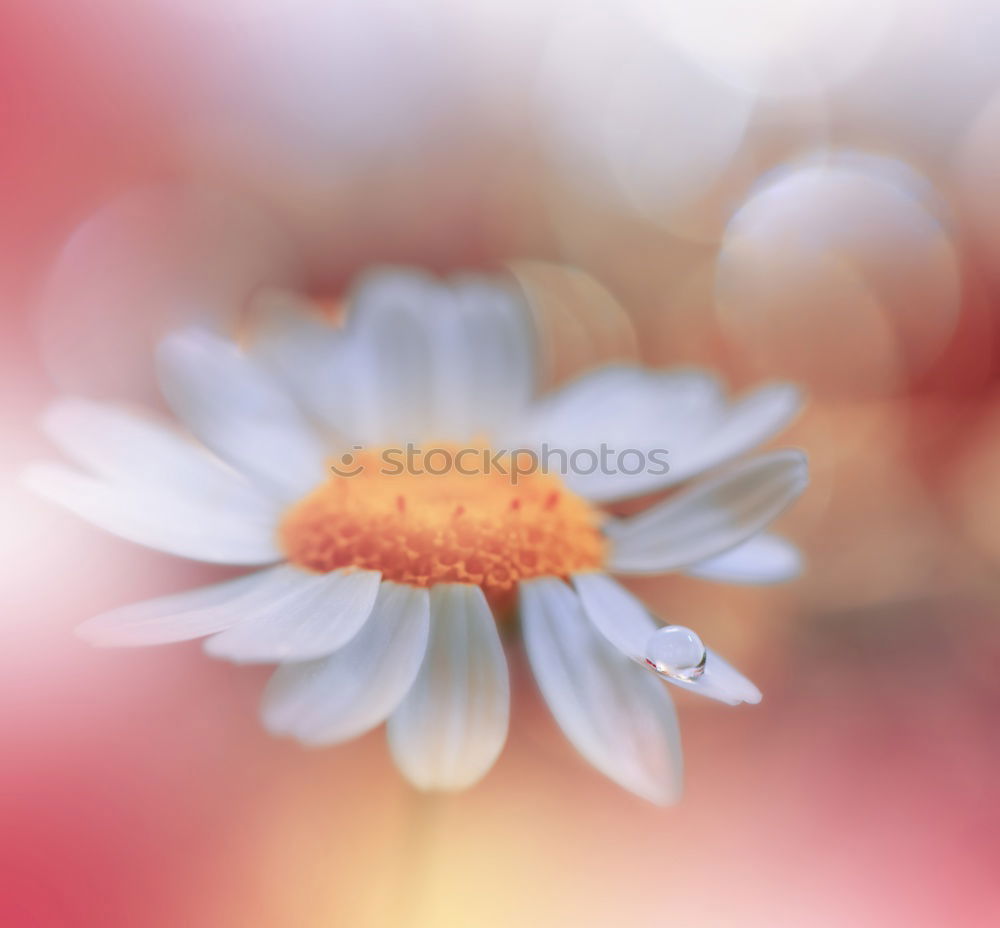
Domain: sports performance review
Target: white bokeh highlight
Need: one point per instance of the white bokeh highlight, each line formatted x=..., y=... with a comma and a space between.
x=840, y=271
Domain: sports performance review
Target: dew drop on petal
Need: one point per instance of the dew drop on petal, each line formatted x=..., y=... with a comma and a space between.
x=677, y=652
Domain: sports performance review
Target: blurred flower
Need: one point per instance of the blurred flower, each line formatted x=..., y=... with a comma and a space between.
x=383, y=592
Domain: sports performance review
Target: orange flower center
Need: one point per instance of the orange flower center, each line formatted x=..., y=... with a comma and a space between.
x=448, y=519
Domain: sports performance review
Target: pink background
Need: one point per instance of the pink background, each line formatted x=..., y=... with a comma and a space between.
x=137, y=788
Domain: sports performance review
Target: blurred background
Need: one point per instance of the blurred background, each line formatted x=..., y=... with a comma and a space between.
x=803, y=189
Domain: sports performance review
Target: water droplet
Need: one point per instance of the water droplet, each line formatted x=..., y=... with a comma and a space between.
x=676, y=652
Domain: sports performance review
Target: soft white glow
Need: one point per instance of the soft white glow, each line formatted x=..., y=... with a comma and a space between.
x=630, y=118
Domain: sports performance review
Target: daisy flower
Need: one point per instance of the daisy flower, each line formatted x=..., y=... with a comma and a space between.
x=382, y=590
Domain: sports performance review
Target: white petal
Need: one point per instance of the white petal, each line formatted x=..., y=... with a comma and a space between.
x=391, y=356
x=354, y=689
x=450, y=360
x=625, y=621
x=679, y=420
x=194, y=613
x=321, y=614
x=233, y=405
x=125, y=447
x=747, y=423
x=309, y=354
x=450, y=728
x=721, y=681
x=709, y=518
x=620, y=408
x=202, y=531
x=491, y=377
x=618, y=716
x=616, y=613
x=761, y=559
